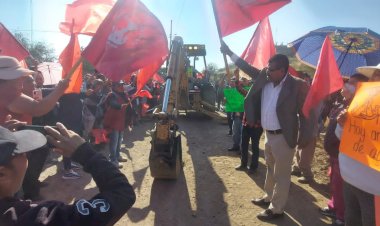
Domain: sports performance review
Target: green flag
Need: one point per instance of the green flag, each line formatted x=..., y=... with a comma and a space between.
x=234, y=100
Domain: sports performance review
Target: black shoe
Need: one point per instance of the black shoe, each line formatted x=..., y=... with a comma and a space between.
x=305, y=180
x=326, y=211
x=269, y=215
x=241, y=167
x=260, y=202
x=296, y=173
x=251, y=170
x=233, y=149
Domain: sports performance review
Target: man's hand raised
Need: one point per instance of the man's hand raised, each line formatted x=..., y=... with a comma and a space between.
x=225, y=49
x=66, y=141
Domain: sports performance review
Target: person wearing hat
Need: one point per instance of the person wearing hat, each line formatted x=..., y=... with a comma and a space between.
x=13, y=101
x=116, y=195
x=114, y=121
x=372, y=72
x=360, y=183
x=17, y=105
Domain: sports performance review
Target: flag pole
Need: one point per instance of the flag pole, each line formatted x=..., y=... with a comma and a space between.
x=72, y=70
x=220, y=39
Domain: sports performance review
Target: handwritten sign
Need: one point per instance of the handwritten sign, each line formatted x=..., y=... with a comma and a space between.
x=361, y=134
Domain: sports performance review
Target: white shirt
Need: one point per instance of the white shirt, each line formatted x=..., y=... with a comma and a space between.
x=269, y=97
x=359, y=175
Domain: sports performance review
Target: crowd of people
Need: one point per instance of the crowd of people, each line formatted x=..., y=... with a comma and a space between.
x=273, y=106
x=98, y=115
x=104, y=110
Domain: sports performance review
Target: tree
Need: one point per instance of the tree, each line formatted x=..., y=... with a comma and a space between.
x=212, y=69
x=39, y=51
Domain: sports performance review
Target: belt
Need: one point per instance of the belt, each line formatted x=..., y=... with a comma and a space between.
x=275, y=132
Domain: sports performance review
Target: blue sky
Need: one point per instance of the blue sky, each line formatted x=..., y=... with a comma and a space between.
x=194, y=21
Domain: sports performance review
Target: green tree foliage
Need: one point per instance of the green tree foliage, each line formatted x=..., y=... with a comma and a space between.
x=39, y=51
x=212, y=69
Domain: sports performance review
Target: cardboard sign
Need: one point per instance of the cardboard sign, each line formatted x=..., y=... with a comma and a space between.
x=361, y=134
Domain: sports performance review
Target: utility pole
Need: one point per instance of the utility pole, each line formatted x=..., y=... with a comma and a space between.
x=31, y=21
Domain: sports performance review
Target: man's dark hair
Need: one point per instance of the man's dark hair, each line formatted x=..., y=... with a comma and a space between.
x=360, y=77
x=281, y=60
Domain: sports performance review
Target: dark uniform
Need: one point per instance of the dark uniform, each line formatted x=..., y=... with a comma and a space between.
x=106, y=208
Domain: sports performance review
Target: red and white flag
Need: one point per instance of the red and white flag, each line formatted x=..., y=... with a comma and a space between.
x=327, y=79
x=88, y=15
x=234, y=15
x=130, y=38
x=261, y=47
x=9, y=46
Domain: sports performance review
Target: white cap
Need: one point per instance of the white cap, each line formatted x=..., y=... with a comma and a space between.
x=368, y=70
x=10, y=68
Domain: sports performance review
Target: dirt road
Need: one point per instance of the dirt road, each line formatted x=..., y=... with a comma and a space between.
x=209, y=190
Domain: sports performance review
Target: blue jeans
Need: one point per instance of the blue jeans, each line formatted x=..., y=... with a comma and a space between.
x=236, y=132
x=116, y=137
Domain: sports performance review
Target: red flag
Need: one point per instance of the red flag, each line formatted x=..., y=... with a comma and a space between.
x=69, y=56
x=234, y=15
x=146, y=73
x=293, y=71
x=130, y=38
x=261, y=47
x=158, y=78
x=145, y=93
x=9, y=46
x=88, y=15
x=327, y=78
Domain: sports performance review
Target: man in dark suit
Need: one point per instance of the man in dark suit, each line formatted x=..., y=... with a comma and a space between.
x=276, y=99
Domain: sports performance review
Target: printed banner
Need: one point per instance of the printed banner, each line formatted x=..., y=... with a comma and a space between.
x=361, y=134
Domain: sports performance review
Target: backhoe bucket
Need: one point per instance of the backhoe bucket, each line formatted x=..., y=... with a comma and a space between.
x=165, y=160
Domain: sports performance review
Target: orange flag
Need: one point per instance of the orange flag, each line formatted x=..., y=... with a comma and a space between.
x=9, y=46
x=88, y=15
x=261, y=47
x=69, y=56
x=327, y=78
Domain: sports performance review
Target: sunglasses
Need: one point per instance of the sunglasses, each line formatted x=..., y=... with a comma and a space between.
x=273, y=69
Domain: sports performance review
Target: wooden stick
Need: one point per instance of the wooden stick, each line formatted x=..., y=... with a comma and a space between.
x=72, y=70
x=220, y=39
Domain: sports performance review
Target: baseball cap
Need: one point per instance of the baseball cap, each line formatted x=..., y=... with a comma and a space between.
x=10, y=68
x=12, y=143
